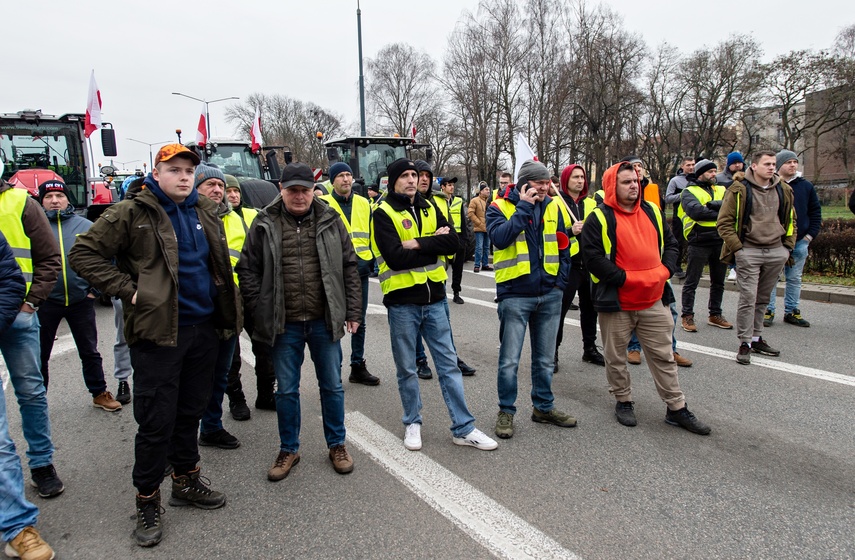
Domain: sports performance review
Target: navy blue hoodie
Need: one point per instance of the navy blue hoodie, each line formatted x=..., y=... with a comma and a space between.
x=806, y=204
x=196, y=290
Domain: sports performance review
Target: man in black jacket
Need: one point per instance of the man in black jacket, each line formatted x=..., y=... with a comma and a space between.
x=409, y=235
x=699, y=206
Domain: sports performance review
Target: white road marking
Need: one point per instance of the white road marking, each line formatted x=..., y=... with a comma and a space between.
x=489, y=523
x=63, y=344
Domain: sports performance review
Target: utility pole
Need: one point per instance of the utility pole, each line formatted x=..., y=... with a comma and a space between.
x=361, y=75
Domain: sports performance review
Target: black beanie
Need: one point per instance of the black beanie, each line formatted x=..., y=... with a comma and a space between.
x=53, y=186
x=396, y=168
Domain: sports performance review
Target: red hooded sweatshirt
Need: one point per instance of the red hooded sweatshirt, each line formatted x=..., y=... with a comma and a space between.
x=637, y=254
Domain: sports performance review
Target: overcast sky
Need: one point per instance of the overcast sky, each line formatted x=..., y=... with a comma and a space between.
x=141, y=52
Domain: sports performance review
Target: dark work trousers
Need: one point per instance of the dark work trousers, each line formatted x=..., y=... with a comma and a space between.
x=699, y=255
x=579, y=281
x=81, y=321
x=457, y=268
x=677, y=230
x=172, y=387
x=357, y=339
x=263, y=367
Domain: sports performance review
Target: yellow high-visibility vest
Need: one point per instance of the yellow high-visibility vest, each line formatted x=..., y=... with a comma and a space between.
x=236, y=228
x=588, y=204
x=359, y=225
x=407, y=228
x=453, y=217
x=513, y=261
x=703, y=197
x=12, y=202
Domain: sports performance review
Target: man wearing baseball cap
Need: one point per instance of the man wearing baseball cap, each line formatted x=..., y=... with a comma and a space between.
x=173, y=274
x=299, y=280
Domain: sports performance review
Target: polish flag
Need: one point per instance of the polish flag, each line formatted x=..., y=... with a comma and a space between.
x=93, y=108
x=255, y=132
x=202, y=129
x=413, y=127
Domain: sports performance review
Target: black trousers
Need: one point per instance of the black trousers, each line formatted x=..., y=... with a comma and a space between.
x=677, y=230
x=457, y=269
x=699, y=255
x=81, y=321
x=580, y=281
x=264, y=375
x=172, y=387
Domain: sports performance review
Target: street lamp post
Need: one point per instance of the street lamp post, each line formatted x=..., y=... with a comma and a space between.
x=150, y=144
x=206, y=102
x=361, y=75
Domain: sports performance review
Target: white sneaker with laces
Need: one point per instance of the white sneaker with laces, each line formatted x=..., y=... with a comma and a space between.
x=732, y=274
x=413, y=437
x=477, y=439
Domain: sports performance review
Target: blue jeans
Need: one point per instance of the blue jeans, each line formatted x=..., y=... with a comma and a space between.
x=793, y=274
x=20, y=348
x=407, y=324
x=357, y=339
x=17, y=512
x=420, y=347
x=288, y=353
x=482, y=249
x=541, y=315
x=212, y=419
x=634, y=344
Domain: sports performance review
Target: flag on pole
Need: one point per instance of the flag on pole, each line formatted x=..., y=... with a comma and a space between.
x=413, y=128
x=522, y=153
x=202, y=129
x=255, y=131
x=93, y=108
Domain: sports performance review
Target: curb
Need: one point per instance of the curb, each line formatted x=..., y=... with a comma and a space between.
x=813, y=292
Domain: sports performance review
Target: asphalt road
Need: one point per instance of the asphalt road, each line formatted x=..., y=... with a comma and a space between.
x=775, y=479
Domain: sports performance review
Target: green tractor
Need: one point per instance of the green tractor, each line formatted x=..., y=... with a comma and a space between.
x=369, y=156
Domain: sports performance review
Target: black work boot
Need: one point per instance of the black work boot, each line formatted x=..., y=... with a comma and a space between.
x=192, y=490
x=359, y=374
x=149, y=528
x=237, y=406
x=423, y=369
x=592, y=355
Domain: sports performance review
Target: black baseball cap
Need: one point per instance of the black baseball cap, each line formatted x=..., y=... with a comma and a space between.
x=297, y=175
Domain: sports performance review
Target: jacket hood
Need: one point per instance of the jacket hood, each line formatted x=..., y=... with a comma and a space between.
x=748, y=175
x=54, y=215
x=565, y=178
x=610, y=186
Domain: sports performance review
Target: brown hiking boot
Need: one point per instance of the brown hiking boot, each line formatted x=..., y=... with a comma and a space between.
x=29, y=545
x=719, y=321
x=285, y=461
x=681, y=361
x=688, y=323
x=341, y=459
x=106, y=401
x=633, y=357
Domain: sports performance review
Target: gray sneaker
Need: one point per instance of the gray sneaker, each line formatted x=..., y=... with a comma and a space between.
x=554, y=416
x=505, y=425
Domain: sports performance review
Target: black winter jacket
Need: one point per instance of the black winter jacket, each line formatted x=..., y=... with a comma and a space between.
x=12, y=286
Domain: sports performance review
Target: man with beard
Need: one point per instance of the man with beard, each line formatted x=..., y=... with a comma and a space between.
x=699, y=206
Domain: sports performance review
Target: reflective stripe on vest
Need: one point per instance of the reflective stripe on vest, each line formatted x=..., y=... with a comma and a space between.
x=407, y=228
x=703, y=197
x=236, y=230
x=608, y=243
x=359, y=226
x=513, y=261
x=12, y=204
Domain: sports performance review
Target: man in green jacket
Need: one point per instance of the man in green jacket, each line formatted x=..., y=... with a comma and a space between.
x=173, y=274
x=756, y=224
x=299, y=280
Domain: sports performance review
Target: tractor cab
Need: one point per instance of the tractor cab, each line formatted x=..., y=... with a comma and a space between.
x=370, y=156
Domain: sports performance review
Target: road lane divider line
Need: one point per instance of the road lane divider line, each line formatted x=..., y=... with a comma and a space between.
x=486, y=521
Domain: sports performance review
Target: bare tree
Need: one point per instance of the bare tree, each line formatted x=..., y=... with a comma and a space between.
x=401, y=87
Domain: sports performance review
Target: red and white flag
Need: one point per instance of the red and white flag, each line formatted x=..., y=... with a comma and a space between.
x=93, y=108
x=413, y=127
x=202, y=129
x=255, y=132
x=523, y=153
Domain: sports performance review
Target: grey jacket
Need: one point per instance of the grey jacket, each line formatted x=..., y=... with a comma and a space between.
x=260, y=272
x=66, y=225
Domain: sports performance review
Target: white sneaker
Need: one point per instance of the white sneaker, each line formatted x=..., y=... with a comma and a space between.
x=732, y=274
x=478, y=439
x=413, y=437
